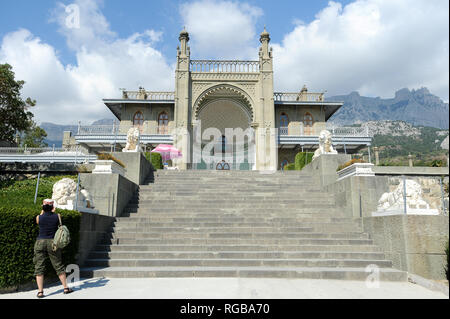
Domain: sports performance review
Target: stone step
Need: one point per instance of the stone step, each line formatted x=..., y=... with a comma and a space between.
x=144, y=213
x=344, y=273
x=331, y=241
x=237, y=262
x=235, y=255
x=217, y=220
x=240, y=247
x=235, y=235
x=208, y=230
x=322, y=227
x=227, y=224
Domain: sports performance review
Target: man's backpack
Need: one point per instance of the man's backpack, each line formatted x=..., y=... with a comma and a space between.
x=62, y=236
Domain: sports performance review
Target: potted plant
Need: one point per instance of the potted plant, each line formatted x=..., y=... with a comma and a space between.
x=355, y=167
x=108, y=164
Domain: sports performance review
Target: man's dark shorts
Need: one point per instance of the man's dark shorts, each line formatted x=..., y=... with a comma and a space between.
x=42, y=250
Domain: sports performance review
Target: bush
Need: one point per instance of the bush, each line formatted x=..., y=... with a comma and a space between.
x=302, y=159
x=18, y=228
x=156, y=159
x=289, y=167
x=109, y=157
x=18, y=232
x=351, y=162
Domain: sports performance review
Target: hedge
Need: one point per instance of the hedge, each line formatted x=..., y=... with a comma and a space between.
x=156, y=159
x=18, y=228
x=18, y=232
x=302, y=159
x=289, y=167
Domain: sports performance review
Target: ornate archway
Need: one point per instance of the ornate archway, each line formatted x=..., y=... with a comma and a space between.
x=220, y=108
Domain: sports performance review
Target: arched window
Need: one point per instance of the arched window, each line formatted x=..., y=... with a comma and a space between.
x=163, y=123
x=284, y=123
x=308, y=122
x=138, y=120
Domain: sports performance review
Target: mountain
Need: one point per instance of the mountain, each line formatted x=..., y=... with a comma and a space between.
x=55, y=131
x=418, y=107
x=397, y=139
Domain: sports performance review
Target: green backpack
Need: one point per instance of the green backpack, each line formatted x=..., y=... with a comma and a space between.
x=62, y=236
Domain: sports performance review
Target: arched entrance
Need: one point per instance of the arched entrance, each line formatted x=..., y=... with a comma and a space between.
x=224, y=118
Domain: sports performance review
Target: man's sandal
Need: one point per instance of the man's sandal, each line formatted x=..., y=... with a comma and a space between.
x=40, y=294
x=67, y=291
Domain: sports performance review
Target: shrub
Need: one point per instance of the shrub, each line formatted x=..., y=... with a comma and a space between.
x=302, y=158
x=18, y=228
x=109, y=157
x=351, y=162
x=289, y=167
x=156, y=159
x=18, y=232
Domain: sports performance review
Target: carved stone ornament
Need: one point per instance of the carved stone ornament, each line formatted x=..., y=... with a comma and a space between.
x=325, y=144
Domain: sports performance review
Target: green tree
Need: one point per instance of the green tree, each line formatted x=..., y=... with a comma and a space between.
x=14, y=114
x=34, y=137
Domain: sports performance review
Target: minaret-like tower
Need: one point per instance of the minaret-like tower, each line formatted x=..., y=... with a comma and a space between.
x=266, y=120
x=182, y=99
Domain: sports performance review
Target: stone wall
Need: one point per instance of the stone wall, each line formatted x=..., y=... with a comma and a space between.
x=110, y=192
x=136, y=165
x=414, y=243
x=93, y=228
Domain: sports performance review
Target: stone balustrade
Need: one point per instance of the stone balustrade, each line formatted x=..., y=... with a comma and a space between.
x=224, y=66
x=298, y=97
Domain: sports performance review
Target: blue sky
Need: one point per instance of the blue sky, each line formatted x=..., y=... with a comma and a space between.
x=374, y=47
x=128, y=17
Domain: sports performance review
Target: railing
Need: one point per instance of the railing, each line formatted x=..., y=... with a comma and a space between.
x=298, y=97
x=148, y=95
x=97, y=129
x=283, y=131
x=40, y=151
x=45, y=155
x=224, y=66
x=145, y=129
x=348, y=131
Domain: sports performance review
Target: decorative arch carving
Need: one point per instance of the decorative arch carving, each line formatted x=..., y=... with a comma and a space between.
x=224, y=91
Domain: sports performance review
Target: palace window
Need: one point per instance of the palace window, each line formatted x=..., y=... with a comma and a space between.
x=308, y=122
x=163, y=123
x=284, y=123
x=138, y=120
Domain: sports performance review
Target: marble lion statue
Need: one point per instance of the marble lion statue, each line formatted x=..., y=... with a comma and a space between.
x=325, y=144
x=132, y=140
x=64, y=193
x=64, y=190
x=394, y=200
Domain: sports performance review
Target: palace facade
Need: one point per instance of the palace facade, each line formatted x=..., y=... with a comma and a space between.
x=224, y=114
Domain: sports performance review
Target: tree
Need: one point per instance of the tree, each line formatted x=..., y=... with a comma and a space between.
x=14, y=114
x=34, y=137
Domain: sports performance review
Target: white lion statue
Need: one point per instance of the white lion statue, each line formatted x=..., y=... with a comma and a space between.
x=325, y=144
x=64, y=194
x=394, y=200
x=132, y=140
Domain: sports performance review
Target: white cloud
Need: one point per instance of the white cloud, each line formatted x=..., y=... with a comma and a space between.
x=371, y=46
x=104, y=63
x=221, y=29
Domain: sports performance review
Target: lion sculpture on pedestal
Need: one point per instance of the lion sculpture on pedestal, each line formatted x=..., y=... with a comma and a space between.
x=325, y=144
x=132, y=140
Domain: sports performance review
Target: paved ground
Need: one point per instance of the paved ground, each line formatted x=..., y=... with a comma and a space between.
x=232, y=288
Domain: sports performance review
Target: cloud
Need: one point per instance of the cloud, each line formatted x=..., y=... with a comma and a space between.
x=371, y=46
x=221, y=29
x=104, y=63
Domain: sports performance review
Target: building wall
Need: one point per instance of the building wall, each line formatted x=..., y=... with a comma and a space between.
x=296, y=116
x=150, y=113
